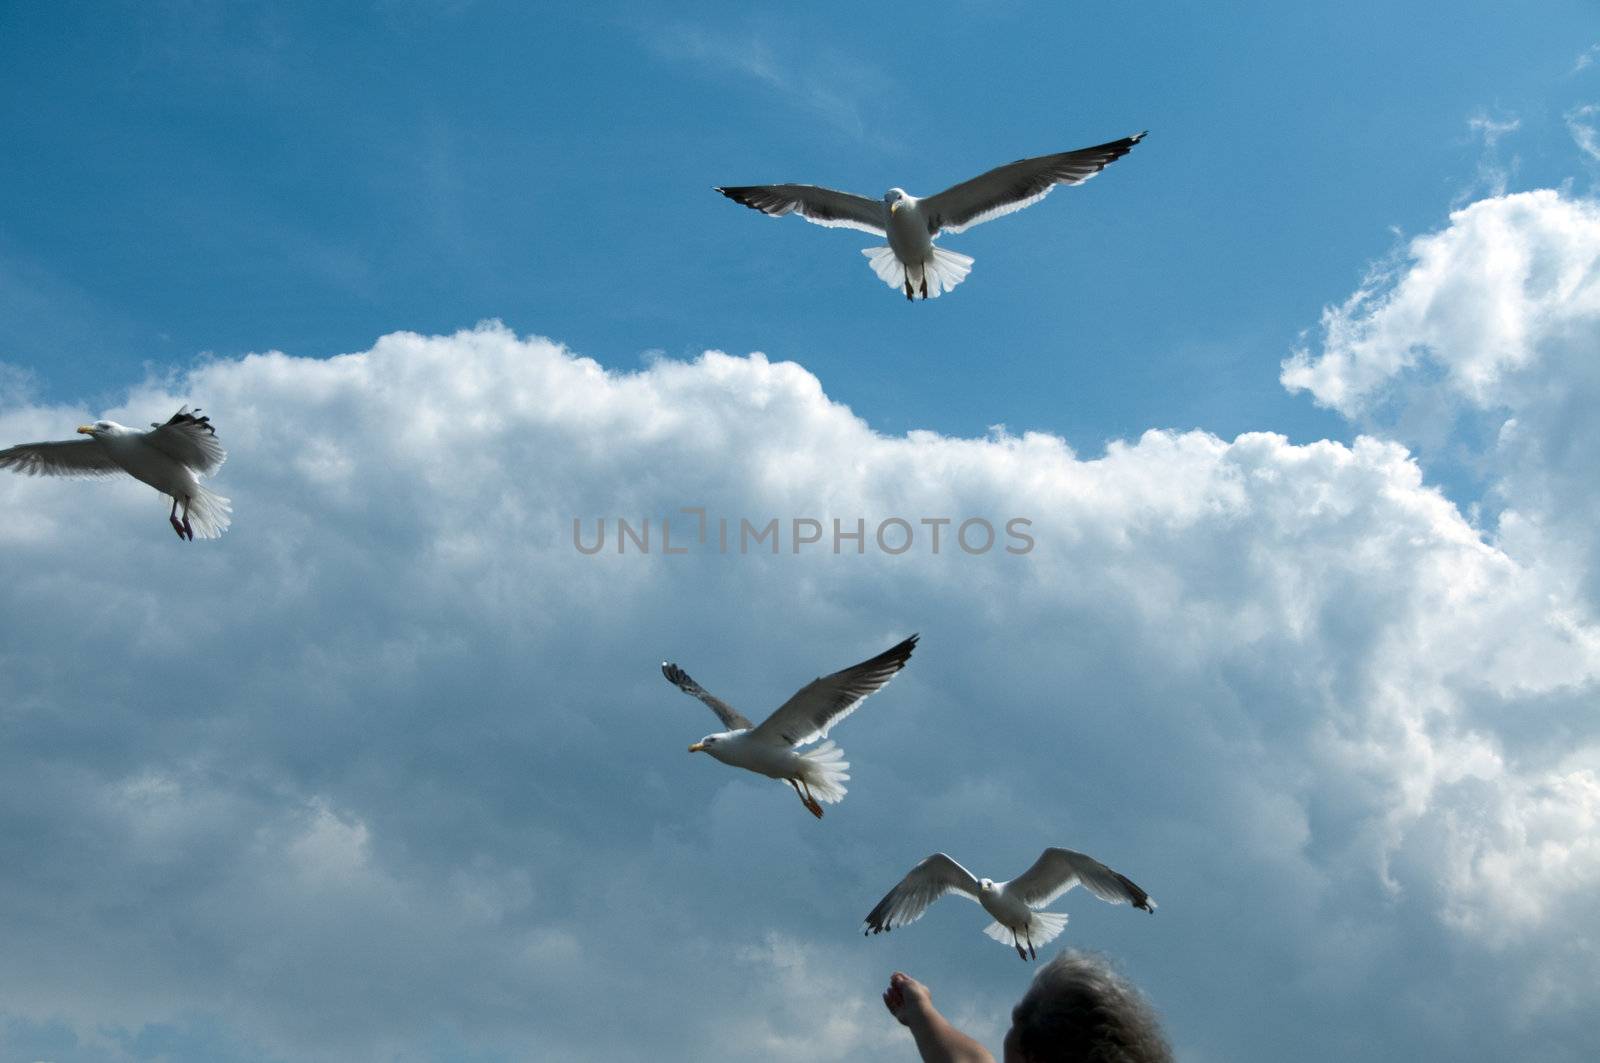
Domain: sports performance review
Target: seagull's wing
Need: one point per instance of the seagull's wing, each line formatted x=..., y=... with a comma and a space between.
x=188, y=439
x=1016, y=185
x=821, y=703
x=69, y=457
x=1058, y=870
x=730, y=716
x=821, y=206
x=926, y=883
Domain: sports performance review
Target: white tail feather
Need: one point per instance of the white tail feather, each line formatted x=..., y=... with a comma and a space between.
x=943, y=271
x=209, y=513
x=825, y=772
x=1044, y=928
x=886, y=266
x=946, y=270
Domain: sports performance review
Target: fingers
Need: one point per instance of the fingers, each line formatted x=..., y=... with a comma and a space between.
x=895, y=1001
x=906, y=983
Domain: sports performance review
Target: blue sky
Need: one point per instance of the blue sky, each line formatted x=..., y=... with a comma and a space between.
x=187, y=178
x=1296, y=396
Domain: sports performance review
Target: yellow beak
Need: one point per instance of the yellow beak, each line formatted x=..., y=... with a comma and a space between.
x=85, y=430
x=894, y=206
x=697, y=747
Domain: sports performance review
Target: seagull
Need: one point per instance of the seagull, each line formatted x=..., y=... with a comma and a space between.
x=911, y=262
x=169, y=457
x=770, y=749
x=1013, y=904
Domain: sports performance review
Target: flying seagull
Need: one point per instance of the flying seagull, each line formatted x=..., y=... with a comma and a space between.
x=1013, y=904
x=911, y=262
x=770, y=749
x=169, y=457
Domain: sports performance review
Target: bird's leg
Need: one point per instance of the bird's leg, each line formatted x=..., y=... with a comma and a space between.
x=1032, y=955
x=924, y=282
x=909, y=296
x=173, y=517
x=806, y=799
x=1023, y=956
x=187, y=530
x=811, y=802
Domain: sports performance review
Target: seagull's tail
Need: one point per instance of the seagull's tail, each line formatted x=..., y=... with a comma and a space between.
x=209, y=513
x=942, y=272
x=825, y=772
x=1044, y=928
x=946, y=270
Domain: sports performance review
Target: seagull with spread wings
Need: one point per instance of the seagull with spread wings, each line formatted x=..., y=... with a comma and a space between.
x=772, y=748
x=1015, y=905
x=169, y=457
x=911, y=262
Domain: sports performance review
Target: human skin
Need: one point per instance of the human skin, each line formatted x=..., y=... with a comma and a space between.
x=909, y=1001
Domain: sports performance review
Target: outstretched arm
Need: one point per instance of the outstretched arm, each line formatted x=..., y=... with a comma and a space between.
x=907, y=1000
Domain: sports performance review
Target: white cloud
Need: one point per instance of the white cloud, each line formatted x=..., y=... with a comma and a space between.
x=827, y=82
x=1486, y=333
x=391, y=767
x=1489, y=295
x=1580, y=123
x=1492, y=129
x=1494, y=174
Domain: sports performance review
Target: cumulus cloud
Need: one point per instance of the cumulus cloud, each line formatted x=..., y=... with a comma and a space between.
x=1484, y=333
x=390, y=772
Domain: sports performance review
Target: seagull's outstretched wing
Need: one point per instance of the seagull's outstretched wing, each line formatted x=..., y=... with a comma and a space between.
x=189, y=440
x=821, y=703
x=1016, y=185
x=730, y=716
x=69, y=457
x=821, y=206
x=1058, y=870
x=926, y=883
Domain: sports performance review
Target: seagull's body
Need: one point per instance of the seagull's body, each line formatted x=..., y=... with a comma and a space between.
x=772, y=749
x=911, y=262
x=170, y=457
x=1015, y=905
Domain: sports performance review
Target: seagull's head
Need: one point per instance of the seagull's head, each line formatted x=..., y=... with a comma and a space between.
x=895, y=198
x=99, y=428
x=706, y=744
x=986, y=885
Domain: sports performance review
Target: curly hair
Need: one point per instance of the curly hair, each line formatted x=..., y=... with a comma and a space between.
x=1079, y=1009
